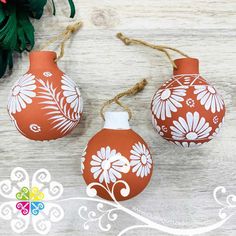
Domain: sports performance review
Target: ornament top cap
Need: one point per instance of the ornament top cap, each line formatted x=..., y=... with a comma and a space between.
x=42, y=59
x=186, y=66
x=116, y=120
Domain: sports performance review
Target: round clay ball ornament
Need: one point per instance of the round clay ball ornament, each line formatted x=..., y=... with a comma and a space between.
x=187, y=110
x=117, y=159
x=45, y=104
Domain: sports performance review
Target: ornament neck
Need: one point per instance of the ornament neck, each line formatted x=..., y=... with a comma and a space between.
x=117, y=120
x=186, y=66
x=42, y=60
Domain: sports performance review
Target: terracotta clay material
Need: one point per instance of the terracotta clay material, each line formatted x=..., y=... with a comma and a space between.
x=187, y=110
x=45, y=104
x=117, y=154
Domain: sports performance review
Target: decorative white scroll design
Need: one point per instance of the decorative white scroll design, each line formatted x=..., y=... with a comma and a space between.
x=109, y=213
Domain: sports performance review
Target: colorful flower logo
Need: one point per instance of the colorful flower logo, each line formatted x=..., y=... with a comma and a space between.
x=31, y=201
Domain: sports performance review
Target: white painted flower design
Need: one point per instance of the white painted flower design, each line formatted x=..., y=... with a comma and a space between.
x=15, y=213
x=35, y=128
x=193, y=127
x=141, y=160
x=108, y=165
x=22, y=93
x=72, y=94
x=190, y=102
x=167, y=101
x=83, y=159
x=209, y=98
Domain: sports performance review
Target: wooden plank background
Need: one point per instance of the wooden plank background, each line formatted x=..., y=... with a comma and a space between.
x=180, y=192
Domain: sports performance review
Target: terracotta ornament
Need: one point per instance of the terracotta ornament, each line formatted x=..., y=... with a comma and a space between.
x=117, y=158
x=186, y=110
x=45, y=104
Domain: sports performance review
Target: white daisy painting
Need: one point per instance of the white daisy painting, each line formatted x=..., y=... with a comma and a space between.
x=166, y=101
x=22, y=93
x=208, y=97
x=193, y=127
x=108, y=165
x=72, y=94
x=141, y=161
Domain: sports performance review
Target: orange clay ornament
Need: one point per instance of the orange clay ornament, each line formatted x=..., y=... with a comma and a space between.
x=45, y=104
x=186, y=110
x=117, y=163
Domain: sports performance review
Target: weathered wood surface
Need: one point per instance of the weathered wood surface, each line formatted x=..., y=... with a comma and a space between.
x=180, y=193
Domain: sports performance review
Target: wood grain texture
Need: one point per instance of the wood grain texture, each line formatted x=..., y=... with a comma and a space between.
x=180, y=193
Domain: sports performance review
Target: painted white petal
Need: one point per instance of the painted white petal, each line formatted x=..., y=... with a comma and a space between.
x=68, y=93
x=95, y=163
x=168, y=112
x=134, y=162
x=136, y=149
x=21, y=101
x=208, y=102
x=200, y=124
x=142, y=172
x=139, y=171
x=71, y=98
x=177, y=98
x=28, y=88
x=103, y=153
x=26, y=98
x=163, y=111
x=176, y=103
x=135, y=154
x=195, y=120
x=95, y=158
x=217, y=104
x=201, y=95
x=158, y=112
x=101, y=178
x=116, y=174
x=171, y=106
x=205, y=126
x=213, y=104
x=136, y=167
x=66, y=88
x=205, y=98
x=183, y=124
x=189, y=117
x=29, y=93
x=18, y=108
x=95, y=169
x=178, y=126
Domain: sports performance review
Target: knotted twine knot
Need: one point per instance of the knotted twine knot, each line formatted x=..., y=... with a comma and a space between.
x=130, y=92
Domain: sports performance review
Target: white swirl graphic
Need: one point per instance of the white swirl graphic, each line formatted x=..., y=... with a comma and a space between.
x=27, y=206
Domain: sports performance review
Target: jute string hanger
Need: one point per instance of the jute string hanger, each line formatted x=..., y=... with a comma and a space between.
x=128, y=41
x=63, y=37
x=130, y=92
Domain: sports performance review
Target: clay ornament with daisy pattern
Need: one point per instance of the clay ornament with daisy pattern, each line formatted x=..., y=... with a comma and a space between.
x=187, y=110
x=45, y=104
x=117, y=162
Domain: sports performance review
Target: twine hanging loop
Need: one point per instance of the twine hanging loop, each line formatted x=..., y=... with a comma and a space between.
x=64, y=36
x=161, y=48
x=130, y=92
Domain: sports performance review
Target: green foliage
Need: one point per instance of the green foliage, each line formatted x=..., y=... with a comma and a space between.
x=16, y=29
